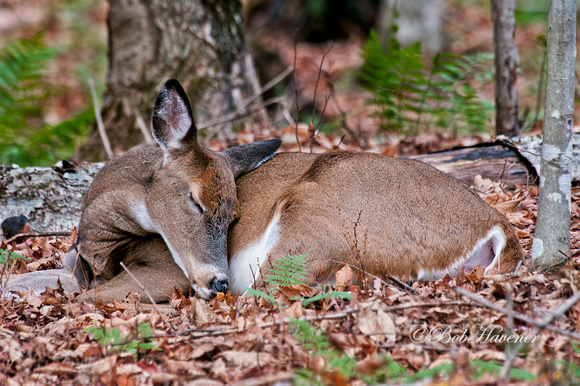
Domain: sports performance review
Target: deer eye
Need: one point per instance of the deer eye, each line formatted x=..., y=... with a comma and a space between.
x=195, y=204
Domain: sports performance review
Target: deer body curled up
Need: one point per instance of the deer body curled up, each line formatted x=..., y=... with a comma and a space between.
x=184, y=217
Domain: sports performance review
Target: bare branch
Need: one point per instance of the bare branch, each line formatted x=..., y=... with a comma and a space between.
x=100, y=125
x=149, y=296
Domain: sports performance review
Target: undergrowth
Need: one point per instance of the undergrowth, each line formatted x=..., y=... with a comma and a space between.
x=412, y=99
x=112, y=339
x=25, y=136
x=289, y=273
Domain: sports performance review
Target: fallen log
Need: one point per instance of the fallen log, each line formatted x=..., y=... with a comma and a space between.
x=50, y=197
x=496, y=161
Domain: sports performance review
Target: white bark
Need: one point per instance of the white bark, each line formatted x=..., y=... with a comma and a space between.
x=50, y=198
x=551, y=246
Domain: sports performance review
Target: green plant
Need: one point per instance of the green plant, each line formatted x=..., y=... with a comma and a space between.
x=570, y=370
x=318, y=347
x=8, y=257
x=140, y=339
x=317, y=344
x=291, y=271
x=25, y=136
x=411, y=99
x=491, y=368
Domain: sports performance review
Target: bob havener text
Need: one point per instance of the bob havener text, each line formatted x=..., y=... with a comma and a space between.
x=478, y=333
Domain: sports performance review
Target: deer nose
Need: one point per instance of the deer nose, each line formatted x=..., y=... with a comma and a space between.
x=219, y=285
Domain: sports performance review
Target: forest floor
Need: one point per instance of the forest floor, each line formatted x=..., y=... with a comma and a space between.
x=452, y=331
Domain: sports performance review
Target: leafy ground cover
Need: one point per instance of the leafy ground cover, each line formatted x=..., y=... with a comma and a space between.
x=382, y=333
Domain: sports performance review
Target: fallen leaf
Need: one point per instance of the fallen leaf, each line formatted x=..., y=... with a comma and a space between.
x=246, y=359
x=378, y=325
x=342, y=277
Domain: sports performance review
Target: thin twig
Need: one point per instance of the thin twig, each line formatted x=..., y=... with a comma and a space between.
x=145, y=131
x=311, y=134
x=514, y=146
x=36, y=234
x=267, y=87
x=163, y=316
x=296, y=97
x=538, y=323
x=240, y=113
x=203, y=333
x=397, y=281
x=100, y=125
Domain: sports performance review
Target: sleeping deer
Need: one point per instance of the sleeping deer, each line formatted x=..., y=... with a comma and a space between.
x=183, y=217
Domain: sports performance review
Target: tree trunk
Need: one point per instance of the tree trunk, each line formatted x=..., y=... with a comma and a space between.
x=551, y=246
x=507, y=101
x=202, y=44
x=417, y=20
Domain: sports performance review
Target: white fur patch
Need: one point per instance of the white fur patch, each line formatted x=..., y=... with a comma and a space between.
x=497, y=238
x=245, y=265
x=141, y=216
x=176, y=257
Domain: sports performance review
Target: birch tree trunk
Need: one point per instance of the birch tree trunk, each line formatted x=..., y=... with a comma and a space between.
x=200, y=43
x=551, y=246
x=507, y=102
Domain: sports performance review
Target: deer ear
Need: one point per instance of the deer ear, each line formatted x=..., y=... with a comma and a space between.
x=172, y=123
x=246, y=158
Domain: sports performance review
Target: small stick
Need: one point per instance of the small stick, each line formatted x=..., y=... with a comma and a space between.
x=514, y=146
x=538, y=323
x=100, y=126
x=239, y=112
x=140, y=123
x=202, y=333
x=296, y=97
x=163, y=316
x=36, y=234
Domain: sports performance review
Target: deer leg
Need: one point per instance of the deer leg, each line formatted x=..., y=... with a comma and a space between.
x=154, y=268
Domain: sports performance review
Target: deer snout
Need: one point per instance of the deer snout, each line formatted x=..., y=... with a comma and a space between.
x=219, y=285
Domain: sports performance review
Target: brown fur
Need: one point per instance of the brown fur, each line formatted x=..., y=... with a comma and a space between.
x=412, y=216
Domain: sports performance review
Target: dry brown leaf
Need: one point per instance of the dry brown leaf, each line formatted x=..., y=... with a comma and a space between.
x=245, y=359
x=377, y=324
x=507, y=206
x=295, y=310
x=293, y=290
x=125, y=380
x=353, y=345
x=200, y=312
x=56, y=368
x=342, y=277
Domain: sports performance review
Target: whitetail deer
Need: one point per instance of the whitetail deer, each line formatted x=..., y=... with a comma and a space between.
x=165, y=213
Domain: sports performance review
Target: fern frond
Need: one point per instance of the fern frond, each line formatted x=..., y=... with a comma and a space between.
x=25, y=137
x=290, y=270
x=407, y=95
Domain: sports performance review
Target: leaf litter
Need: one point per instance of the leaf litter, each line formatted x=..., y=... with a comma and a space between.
x=383, y=334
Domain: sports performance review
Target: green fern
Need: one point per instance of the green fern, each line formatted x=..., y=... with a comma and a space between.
x=291, y=270
x=411, y=99
x=316, y=343
x=25, y=137
x=140, y=339
x=8, y=257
